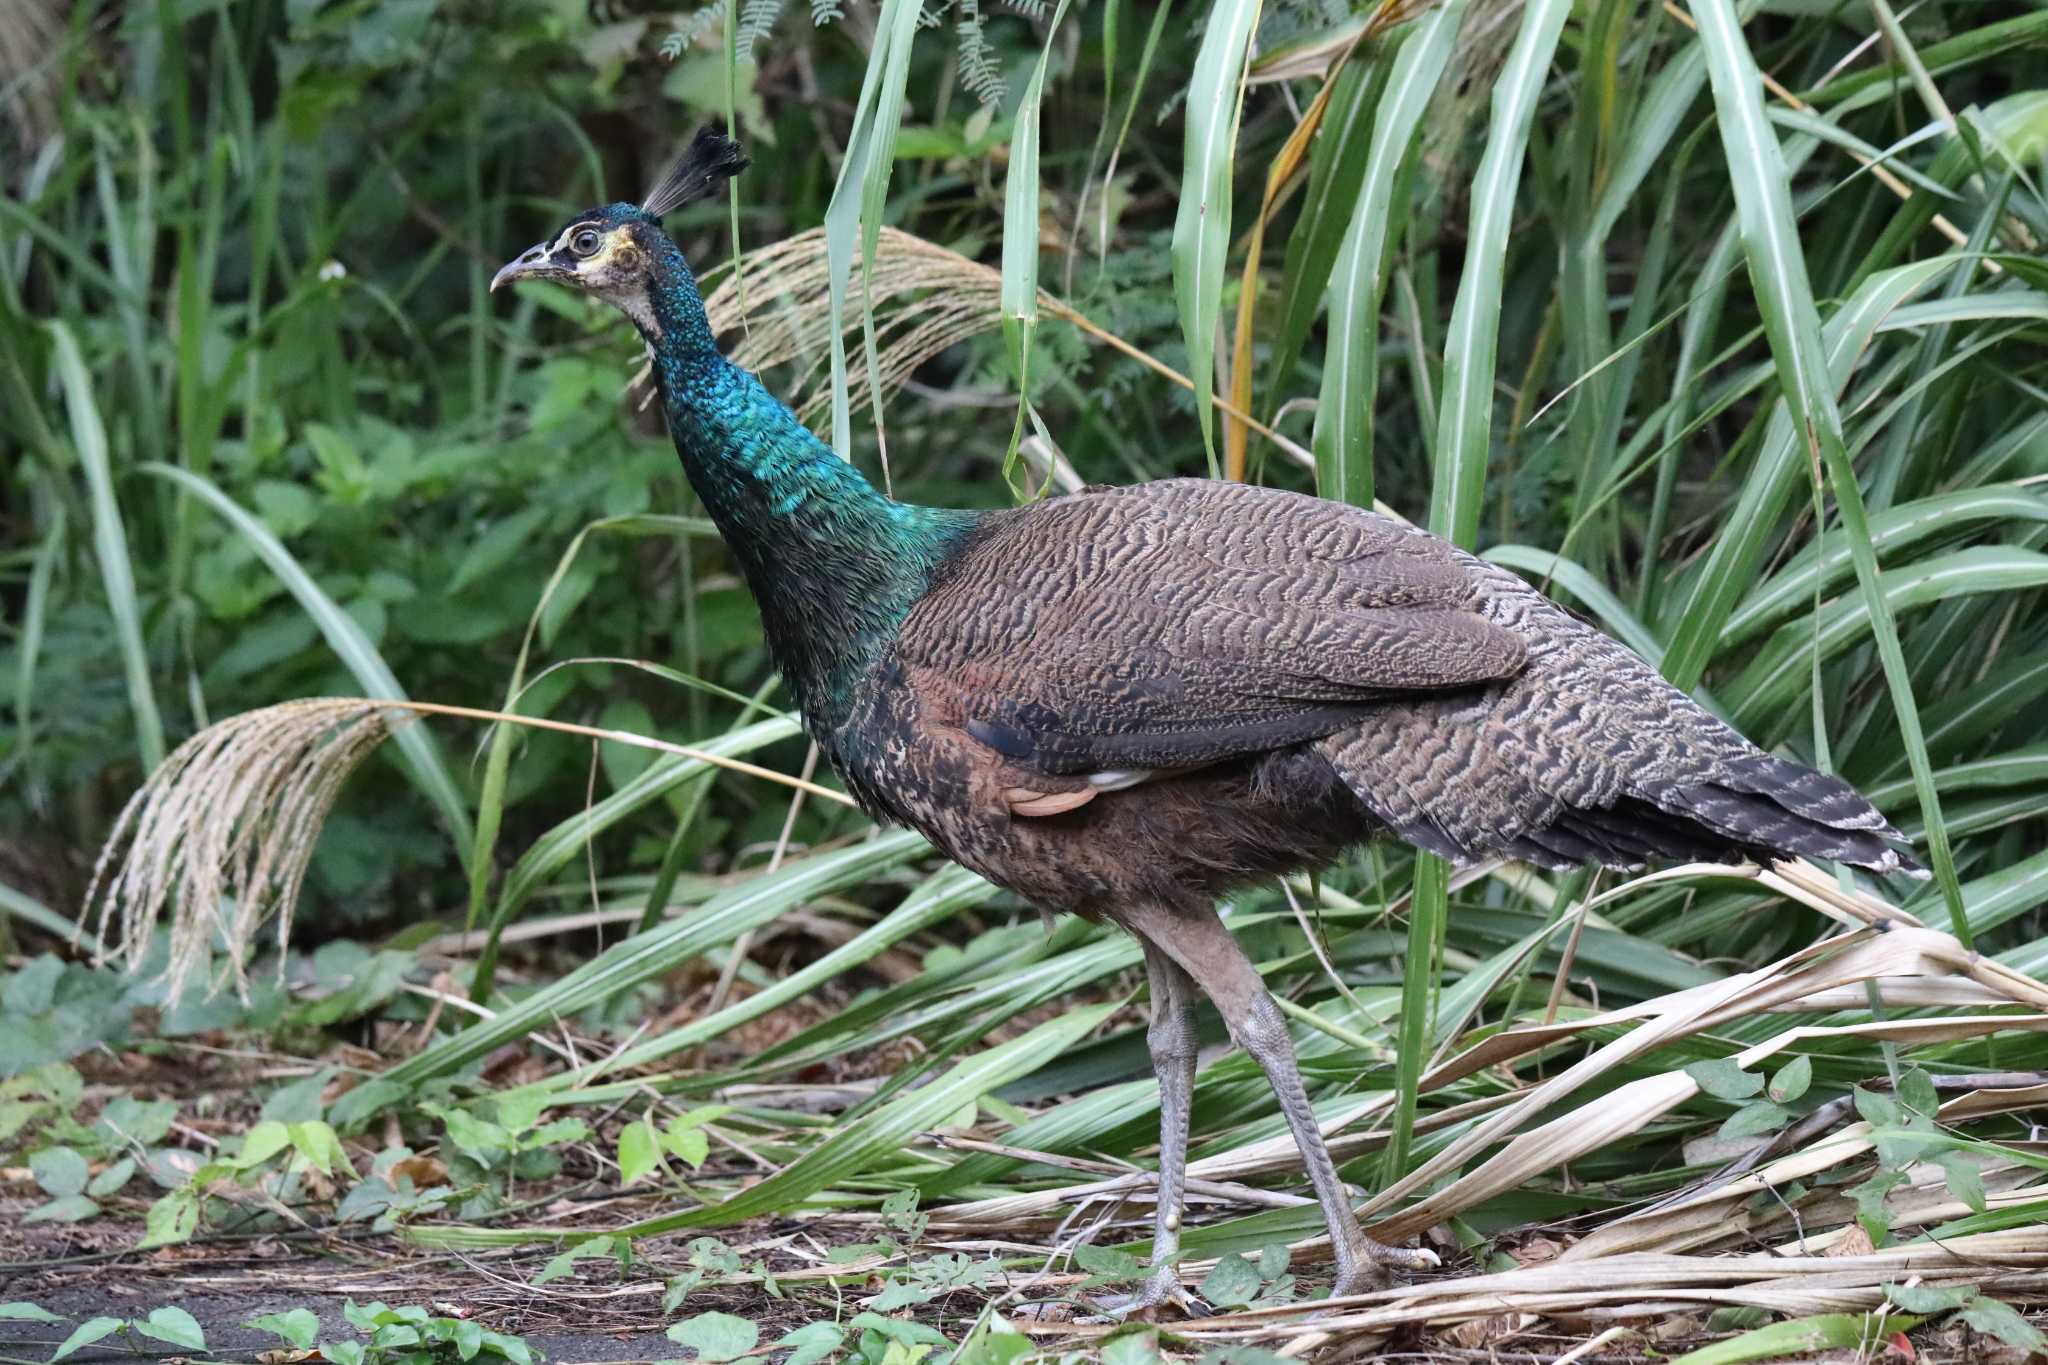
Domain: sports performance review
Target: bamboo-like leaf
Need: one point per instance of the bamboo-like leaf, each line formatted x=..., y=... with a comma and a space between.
x=884, y=1131
x=1201, y=228
x=857, y=198
x=1731, y=564
x=1464, y=440
x=1358, y=280
x=110, y=542
x=1777, y=268
x=1020, y=236
x=659, y=951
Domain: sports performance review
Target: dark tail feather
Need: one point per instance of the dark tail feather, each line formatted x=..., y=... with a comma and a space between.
x=1781, y=810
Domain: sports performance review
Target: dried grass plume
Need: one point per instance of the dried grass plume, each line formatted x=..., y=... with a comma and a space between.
x=218, y=839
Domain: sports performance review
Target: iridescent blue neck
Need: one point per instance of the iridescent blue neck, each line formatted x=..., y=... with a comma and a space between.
x=834, y=564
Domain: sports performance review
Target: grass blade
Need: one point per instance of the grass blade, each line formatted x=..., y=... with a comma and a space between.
x=1358, y=277
x=863, y=184
x=1777, y=265
x=1465, y=412
x=110, y=542
x=886, y=1130
x=1201, y=228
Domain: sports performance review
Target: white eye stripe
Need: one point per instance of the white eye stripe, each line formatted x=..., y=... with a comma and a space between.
x=562, y=242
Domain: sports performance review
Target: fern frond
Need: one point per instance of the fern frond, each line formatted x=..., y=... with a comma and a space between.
x=979, y=74
x=757, y=19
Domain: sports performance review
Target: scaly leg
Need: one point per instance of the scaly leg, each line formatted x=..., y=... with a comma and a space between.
x=1172, y=1039
x=1204, y=948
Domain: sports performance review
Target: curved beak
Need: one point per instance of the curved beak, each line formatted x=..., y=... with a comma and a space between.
x=532, y=264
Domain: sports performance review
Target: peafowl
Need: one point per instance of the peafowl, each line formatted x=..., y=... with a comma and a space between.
x=1125, y=702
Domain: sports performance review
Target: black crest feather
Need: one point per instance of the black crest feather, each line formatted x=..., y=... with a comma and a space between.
x=711, y=159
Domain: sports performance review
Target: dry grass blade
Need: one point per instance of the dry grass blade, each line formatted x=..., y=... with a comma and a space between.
x=219, y=837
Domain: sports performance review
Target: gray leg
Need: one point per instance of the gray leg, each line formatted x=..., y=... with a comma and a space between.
x=1172, y=1039
x=1204, y=948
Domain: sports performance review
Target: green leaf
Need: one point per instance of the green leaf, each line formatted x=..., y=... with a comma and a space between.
x=70, y=1208
x=1799, y=1338
x=19, y=1311
x=1784, y=295
x=171, y=1219
x=859, y=195
x=1963, y=1179
x=174, y=1325
x=1758, y=1116
x=1724, y=1079
x=814, y=1341
x=1791, y=1080
x=678, y=1288
x=1232, y=1284
x=1201, y=226
x=1357, y=277
x=1929, y=1298
x=86, y=1334
x=1917, y=1092
x=111, y=1180
x=299, y=1326
x=1274, y=1258
x=343, y=1352
x=716, y=1336
x=1464, y=442
x=689, y=1145
x=109, y=540
x=1997, y=1319
x=1108, y=1265
x=262, y=1142
x=60, y=1171
x=639, y=1151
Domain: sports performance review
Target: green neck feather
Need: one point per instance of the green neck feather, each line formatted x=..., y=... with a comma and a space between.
x=834, y=564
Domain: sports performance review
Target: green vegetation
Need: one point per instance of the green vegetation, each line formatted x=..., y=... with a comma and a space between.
x=1723, y=323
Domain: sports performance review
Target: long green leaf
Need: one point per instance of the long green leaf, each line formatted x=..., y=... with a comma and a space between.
x=1201, y=227
x=863, y=186
x=646, y=957
x=110, y=542
x=1777, y=267
x=882, y=1133
x=1464, y=440
x=1358, y=279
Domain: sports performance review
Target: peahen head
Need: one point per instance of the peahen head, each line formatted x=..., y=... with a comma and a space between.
x=620, y=253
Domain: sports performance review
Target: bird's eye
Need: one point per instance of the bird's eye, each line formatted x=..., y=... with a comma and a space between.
x=585, y=242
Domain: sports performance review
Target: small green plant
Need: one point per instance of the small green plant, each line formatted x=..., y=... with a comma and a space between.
x=1974, y=1308
x=402, y=1336
x=493, y=1154
x=1765, y=1111
x=1236, y=1282
x=63, y=1159
x=171, y=1326
x=273, y=1158
x=642, y=1146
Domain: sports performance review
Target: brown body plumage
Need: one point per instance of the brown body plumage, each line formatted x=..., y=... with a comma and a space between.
x=1125, y=702
x=1276, y=677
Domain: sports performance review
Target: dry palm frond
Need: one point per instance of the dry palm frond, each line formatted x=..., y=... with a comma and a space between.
x=220, y=836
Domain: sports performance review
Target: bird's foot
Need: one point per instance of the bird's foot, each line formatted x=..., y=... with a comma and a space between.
x=1152, y=1300
x=1372, y=1265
